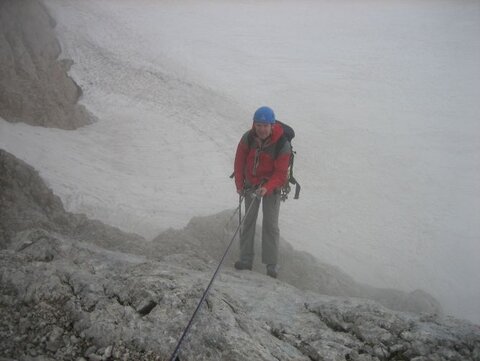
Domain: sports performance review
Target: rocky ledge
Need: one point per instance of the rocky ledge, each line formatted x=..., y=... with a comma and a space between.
x=76, y=289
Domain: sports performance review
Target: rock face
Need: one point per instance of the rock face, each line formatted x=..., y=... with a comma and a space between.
x=206, y=237
x=27, y=204
x=75, y=289
x=35, y=87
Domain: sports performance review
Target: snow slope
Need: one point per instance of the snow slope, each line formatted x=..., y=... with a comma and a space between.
x=383, y=96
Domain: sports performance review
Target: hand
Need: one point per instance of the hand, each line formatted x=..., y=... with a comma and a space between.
x=241, y=192
x=261, y=191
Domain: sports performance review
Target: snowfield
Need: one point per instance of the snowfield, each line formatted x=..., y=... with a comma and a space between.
x=383, y=97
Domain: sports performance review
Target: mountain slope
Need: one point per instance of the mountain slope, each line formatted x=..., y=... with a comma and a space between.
x=207, y=238
x=74, y=288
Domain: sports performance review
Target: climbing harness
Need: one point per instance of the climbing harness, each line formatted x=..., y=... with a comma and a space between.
x=240, y=199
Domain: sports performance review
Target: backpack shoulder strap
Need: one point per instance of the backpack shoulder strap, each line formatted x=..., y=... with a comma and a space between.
x=280, y=144
x=250, y=138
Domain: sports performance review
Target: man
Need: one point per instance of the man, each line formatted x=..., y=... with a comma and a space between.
x=261, y=168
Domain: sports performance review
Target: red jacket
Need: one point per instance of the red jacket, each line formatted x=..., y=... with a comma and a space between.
x=255, y=161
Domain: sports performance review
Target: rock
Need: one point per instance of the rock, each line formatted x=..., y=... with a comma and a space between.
x=23, y=325
x=476, y=354
x=102, y=287
x=55, y=340
x=205, y=238
x=108, y=352
x=90, y=351
x=381, y=352
x=74, y=339
x=146, y=306
x=95, y=357
x=35, y=87
x=30, y=214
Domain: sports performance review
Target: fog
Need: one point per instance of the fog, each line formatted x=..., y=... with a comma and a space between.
x=383, y=96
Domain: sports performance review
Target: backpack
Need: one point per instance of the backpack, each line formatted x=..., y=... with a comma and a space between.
x=288, y=135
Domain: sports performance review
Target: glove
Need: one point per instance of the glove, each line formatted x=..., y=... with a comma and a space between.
x=261, y=191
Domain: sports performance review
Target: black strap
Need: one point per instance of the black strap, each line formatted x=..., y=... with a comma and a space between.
x=297, y=187
x=279, y=145
x=292, y=179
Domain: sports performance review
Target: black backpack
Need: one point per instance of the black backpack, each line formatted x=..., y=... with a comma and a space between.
x=288, y=135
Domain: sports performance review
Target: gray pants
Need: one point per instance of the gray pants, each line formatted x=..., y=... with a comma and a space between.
x=270, y=230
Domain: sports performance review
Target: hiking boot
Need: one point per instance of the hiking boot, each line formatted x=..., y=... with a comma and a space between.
x=241, y=265
x=272, y=270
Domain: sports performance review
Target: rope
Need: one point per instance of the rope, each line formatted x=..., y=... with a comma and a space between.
x=174, y=356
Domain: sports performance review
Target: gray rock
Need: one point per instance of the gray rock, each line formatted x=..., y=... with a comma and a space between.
x=35, y=87
x=90, y=351
x=207, y=237
x=55, y=340
x=69, y=278
x=94, y=357
x=108, y=352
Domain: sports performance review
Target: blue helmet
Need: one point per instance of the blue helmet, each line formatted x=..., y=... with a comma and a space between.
x=264, y=115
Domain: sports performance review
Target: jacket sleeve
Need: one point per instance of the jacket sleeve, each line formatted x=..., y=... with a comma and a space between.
x=240, y=163
x=280, y=173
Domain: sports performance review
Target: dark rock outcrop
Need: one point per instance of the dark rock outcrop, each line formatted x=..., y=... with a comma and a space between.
x=34, y=86
x=27, y=204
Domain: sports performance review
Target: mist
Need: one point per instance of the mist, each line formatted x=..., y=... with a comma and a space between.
x=383, y=97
